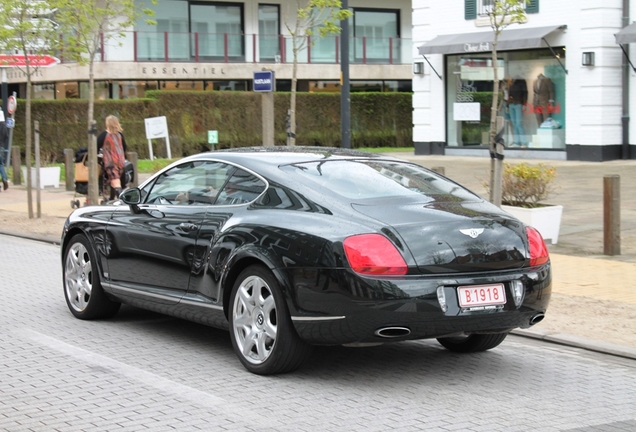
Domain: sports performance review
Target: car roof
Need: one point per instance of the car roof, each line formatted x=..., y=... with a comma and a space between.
x=258, y=157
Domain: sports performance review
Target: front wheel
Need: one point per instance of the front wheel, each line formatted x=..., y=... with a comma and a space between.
x=83, y=291
x=472, y=343
x=261, y=330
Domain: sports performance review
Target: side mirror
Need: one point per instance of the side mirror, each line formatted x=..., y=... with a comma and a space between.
x=131, y=196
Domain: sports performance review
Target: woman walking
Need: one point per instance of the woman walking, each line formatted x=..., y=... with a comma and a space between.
x=113, y=149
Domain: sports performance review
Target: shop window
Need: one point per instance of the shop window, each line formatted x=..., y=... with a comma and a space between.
x=531, y=111
x=132, y=89
x=44, y=91
x=66, y=90
x=101, y=90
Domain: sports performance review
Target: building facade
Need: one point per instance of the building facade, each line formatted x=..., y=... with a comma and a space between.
x=218, y=45
x=568, y=83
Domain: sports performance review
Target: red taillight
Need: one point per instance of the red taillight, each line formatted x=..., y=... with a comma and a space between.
x=538, y=250
x=374, y=254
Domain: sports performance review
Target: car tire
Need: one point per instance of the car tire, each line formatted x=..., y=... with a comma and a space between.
x=83, y=291
x=261, y=330
x=472, y=343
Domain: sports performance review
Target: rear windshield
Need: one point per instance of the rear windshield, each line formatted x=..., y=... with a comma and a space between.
x=364, y=179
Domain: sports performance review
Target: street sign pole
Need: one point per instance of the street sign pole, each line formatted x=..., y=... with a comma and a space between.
x=265, y=83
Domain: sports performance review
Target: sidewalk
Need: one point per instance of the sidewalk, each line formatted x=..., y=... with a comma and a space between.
x=593, y=305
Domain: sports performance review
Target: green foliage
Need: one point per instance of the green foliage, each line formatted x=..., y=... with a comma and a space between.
x=526, y=185
x=88, y=24
x=378, y=120
x=320, y=17
x=152, y=166
x=506, y=12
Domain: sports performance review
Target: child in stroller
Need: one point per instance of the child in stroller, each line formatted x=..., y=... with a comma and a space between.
x=81, y=178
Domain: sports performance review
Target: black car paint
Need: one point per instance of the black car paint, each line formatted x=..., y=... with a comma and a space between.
x=328, y=302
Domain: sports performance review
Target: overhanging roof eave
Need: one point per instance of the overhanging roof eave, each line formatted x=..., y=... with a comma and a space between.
x=518, y=38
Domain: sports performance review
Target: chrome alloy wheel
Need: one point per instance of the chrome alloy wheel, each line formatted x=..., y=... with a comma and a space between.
x=78, y=277
x=254, y=320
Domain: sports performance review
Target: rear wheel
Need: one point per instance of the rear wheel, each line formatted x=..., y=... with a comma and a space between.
x=83, y=291
x=262, y=333
x=473, y=342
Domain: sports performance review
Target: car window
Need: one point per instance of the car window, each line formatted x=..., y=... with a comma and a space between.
x=241, y=188
x=362, y=179
x=191, y=183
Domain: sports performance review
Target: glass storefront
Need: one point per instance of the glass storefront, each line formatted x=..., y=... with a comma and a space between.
x=531, y=109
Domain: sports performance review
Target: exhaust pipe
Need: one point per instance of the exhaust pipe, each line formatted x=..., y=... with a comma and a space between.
x=393, y=332
x=537, y=318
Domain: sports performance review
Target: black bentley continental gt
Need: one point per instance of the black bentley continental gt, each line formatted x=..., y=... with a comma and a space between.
x=289, y=247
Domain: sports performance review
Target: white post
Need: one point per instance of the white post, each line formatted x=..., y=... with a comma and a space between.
x=38, y=196
x=168, y=146
x=150, y=149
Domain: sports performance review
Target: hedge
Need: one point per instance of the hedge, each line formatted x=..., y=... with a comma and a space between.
x=377, y=120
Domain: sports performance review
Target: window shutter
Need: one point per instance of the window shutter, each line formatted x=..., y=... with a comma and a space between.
x=470, y=9
x=532, y=6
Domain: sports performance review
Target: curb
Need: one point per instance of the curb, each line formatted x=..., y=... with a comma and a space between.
x=578, y=342
x=36, y=237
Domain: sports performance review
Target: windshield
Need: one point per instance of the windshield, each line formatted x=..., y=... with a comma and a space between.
x=364, y=179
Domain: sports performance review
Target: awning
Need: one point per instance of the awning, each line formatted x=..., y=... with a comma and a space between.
x=510, y=39
x=626, y=35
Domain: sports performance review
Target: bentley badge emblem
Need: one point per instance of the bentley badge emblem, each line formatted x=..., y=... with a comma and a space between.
x=472, y=232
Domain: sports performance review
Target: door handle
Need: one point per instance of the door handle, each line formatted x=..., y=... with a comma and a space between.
x=188, y=227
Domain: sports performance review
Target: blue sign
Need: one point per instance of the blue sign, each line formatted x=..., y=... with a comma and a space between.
x=10, y=122
x=264, y=81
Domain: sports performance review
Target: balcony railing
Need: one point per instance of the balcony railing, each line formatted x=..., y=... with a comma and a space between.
x=248, y=48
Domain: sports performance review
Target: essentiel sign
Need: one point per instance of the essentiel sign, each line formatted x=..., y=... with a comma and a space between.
x=15, y=60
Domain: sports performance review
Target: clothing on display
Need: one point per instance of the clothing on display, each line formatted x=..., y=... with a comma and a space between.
x=517, y=98
x=543, y=96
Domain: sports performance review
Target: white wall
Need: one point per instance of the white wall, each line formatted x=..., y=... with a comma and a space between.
x=593, y=94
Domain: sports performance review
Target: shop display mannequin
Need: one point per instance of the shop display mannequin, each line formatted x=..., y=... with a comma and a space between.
x=543, y=95
x=517, y=98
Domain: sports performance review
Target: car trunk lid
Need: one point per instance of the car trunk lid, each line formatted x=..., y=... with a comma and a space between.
x=453, y=237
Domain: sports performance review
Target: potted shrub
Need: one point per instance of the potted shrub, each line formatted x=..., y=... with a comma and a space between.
x=524, y=191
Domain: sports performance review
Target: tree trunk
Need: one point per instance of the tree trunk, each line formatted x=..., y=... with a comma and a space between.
x=29, y=131
x=93, y=176
x=496, y=146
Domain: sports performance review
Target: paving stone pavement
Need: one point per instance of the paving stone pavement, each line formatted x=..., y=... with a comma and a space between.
x=144, y=371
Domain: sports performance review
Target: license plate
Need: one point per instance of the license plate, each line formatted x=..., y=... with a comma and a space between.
x=481, y=295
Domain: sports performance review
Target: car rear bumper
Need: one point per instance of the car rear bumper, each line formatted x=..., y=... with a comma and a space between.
x=367, y=310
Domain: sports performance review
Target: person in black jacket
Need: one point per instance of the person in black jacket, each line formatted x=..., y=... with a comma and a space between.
x=4, y=140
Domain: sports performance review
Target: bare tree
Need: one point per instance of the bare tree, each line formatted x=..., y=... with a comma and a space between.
x=90, y=26
x=501, y=13
x=313, y=18
x=26, y=28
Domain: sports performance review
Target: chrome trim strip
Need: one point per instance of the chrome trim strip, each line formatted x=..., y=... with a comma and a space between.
x=201, y=304
x=297, y=318
x=115, y=287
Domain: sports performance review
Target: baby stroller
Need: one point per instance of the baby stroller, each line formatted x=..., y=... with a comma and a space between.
x=81, y=177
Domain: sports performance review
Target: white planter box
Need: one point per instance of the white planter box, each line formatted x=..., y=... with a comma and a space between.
x=49, y=176
x=547, y=220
